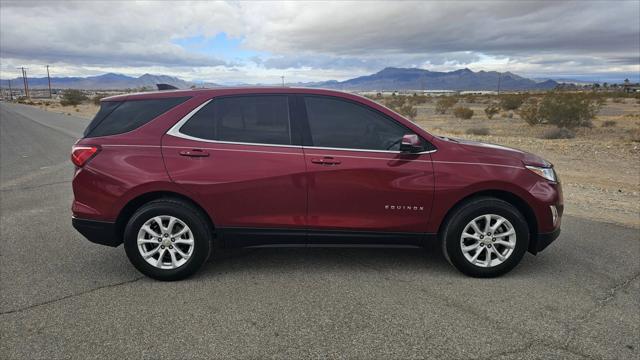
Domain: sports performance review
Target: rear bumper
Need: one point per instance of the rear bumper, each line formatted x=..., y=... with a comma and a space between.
x=541, y=241
x=99, y=232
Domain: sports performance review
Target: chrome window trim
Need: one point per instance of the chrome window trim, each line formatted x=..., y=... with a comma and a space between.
x=181, y=135
x=175, y=131
x=367, y=150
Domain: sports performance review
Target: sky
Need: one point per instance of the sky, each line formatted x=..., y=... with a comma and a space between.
x=258, y=42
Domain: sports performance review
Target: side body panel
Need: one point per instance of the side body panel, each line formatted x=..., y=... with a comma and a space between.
x=369, y=191
x=462, y=173
x=242, y=185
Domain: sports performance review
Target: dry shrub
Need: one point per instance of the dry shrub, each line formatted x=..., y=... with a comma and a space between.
x=512, y=101
x=529, y=112
x=565, y=110
x=402, y=106
x=477, y=131
x=568, y=110
x=558, y=133
x=445, y=103
x=394, y=102
x=72, y=97
x=618, y=100
x=408, y=110
x=462, y=112
x=491, y=110
x=634, y=135
x=609, y=123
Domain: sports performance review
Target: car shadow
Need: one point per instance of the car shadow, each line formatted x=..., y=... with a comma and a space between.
x=347, y=260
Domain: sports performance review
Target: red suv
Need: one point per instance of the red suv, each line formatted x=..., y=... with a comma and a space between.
x=176, y=175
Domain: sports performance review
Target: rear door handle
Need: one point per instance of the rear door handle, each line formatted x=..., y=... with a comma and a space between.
x=194, y=153
x=326, y=161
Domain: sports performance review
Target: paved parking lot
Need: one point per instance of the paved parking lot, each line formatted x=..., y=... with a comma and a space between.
x=62, y=296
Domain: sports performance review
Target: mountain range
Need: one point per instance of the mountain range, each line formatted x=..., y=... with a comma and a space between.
x=108, y=81
x=419, y=79
x=390, y=79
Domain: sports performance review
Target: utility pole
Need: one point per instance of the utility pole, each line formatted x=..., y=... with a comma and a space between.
x=10, y=91
x=499, y=80
x=24, y=80
x=49, y=79
x=282, y=80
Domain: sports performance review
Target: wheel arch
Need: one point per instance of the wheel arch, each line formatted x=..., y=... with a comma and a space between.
x=510, y=198
x=135, y=203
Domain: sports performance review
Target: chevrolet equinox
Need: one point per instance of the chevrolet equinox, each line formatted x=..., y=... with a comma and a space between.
x=176, y=175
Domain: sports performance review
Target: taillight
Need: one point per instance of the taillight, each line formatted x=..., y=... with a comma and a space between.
x=80, y=154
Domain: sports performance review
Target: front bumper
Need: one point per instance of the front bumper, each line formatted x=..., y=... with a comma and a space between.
x=99, y=232
x=541, y=241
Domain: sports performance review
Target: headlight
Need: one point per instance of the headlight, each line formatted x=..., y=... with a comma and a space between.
x=545, y=172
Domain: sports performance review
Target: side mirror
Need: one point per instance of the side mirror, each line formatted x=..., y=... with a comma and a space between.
x=410, y=143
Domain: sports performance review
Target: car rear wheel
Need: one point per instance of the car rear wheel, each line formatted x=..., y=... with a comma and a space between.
x=167, y=239
x=485, y=237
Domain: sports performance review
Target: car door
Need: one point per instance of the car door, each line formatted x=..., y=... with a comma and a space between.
x=241, y=158
x=359, y=182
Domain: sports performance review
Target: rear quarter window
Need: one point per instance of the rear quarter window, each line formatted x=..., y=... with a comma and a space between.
x=117, y=117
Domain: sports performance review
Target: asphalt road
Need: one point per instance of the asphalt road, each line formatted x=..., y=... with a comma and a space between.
x=63, y=297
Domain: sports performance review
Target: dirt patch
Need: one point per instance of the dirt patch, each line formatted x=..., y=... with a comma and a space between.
x=84, y=110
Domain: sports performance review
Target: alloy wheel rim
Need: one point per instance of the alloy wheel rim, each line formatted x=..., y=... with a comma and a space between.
x=165, y=242
x=488, y=240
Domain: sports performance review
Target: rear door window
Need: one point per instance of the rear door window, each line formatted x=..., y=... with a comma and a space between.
x=117, y=117
x=260, y=119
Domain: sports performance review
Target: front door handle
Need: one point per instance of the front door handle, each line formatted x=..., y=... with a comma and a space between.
x=327, y=160
x=194, y=153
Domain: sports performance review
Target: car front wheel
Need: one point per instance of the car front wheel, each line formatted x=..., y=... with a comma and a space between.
x=485, y=237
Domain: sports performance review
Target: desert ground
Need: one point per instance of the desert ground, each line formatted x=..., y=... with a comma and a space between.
x=599, y=168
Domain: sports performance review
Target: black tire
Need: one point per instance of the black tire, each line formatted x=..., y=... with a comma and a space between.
x=192, y=217
x=470, y=210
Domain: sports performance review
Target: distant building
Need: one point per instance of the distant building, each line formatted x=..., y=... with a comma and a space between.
x=479, y=92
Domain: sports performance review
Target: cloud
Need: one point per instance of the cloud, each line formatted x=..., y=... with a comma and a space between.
x=505, y=28
x=254, y=41
x=105, y=33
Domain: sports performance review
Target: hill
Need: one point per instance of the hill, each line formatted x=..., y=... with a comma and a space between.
x=419, y=79
x=108, y=81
